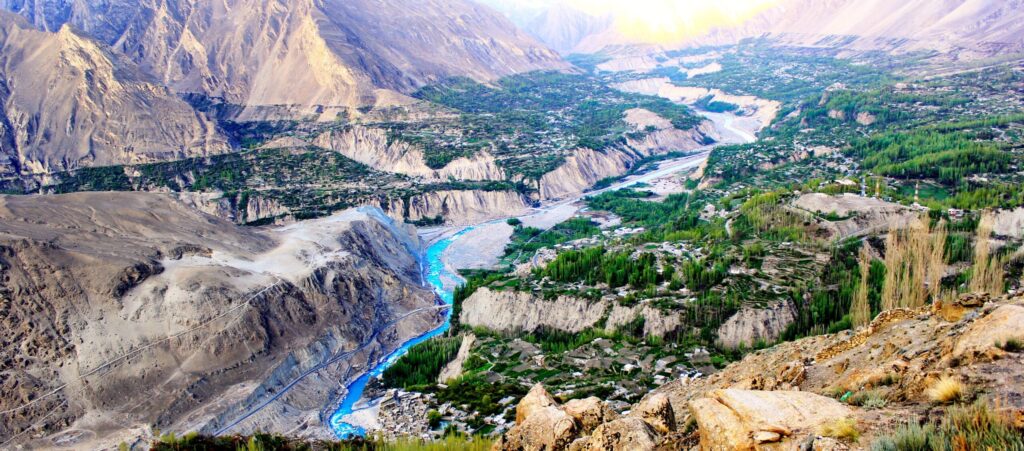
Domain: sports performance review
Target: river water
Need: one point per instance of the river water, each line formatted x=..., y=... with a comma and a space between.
x=436, y=272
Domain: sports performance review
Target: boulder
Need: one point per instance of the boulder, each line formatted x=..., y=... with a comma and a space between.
x=624, y=434
x=983, y=335
x=538, y=398
x=656, y=410
x=744, y=419
x=546, y=428
x=590, y=413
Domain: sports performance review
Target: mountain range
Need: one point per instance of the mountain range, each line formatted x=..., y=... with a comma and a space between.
x=126, y=62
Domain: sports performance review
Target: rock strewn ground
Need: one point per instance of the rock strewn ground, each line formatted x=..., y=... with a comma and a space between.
x=782, y=397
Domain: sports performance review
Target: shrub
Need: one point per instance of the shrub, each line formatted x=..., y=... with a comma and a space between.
x=1012, y=345
x=871, y=399
x=842, y=428
x=909, y=437
x=946, y=390
x=434, y=418
x=963, y=428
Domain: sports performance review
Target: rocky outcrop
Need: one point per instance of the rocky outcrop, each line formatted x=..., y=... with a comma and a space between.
x=136, y=304
x=744, y=419
x=458, y=207
x=319, y=56
x=657, y=411
x=628, y=433
x=514, y=311
x=1009, y=223
x=65, y=103
x=582, y=170
x=590, y=413
x=754, y=324
x=983, y=338
x=784, y=397
x=657, y=322
x=239, y=208
x=585, y=167
x=374, y=148
x=582, y=425
x=909, y=346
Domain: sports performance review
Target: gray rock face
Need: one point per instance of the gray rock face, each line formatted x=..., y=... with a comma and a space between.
x=586, y=167
x=750, y=325
x=303, y=53
x=513, y=311
x=136, y=304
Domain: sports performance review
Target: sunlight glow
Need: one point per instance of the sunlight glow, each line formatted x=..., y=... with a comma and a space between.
x=672, y=21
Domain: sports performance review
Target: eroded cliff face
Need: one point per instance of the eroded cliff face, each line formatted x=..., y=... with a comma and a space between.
x=751, y=325
x=513, y=311
x=458, y=207
x=313, y=55
x=123, y=311
x=374, y=148
x=65, y=102
x=517, y=311
x=238, y=208
x=1010, y=223
x=585, y=167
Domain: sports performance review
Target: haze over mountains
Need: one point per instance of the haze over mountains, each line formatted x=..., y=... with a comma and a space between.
x=979, y=28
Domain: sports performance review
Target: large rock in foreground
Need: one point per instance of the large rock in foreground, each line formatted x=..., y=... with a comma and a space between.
x=746, y=419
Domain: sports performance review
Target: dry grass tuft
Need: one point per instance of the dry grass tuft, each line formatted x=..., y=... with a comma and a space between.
x=946, y=390
x=842, y=429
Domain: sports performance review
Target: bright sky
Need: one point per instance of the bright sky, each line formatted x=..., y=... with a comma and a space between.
x=669, y=21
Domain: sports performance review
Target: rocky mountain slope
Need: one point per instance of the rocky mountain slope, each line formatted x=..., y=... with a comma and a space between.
x=309, y=57
x=66, y=102
x=128, y=313
x=884, y=376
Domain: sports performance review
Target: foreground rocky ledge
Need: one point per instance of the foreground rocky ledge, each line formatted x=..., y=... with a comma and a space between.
x=811, y=394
